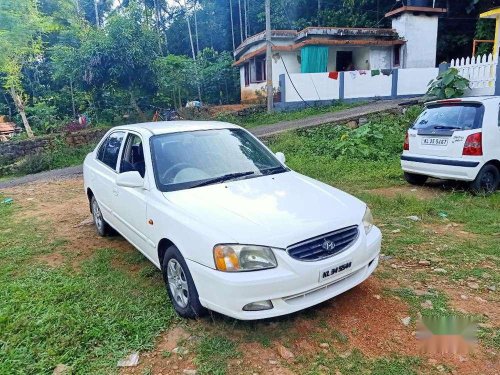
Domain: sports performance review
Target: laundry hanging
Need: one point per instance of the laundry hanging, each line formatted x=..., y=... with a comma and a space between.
x=386, y=72
x=314, y=59
x=362, y=72
x=375, y=72
x=333, y=75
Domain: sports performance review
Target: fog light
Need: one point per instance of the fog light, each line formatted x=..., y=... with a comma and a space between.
x=258, y=306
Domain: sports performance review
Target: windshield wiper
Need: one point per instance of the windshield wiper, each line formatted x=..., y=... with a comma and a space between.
x=273, y=170
x=444, y=127
x=224, y=178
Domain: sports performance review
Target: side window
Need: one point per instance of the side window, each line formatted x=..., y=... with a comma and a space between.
x=108, y=153
x=133, y=156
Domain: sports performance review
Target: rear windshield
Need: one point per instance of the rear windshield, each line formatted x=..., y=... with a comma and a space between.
x=463, y=116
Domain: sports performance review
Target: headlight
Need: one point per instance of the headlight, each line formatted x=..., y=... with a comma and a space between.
x=368, y=220
x=237, y=258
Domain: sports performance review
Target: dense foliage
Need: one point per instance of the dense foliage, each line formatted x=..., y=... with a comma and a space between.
x=448, y=84
x=115, y=61
x=381, y=138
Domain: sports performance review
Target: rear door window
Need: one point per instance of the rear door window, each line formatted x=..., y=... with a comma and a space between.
x=108, y=153
x=446, y=117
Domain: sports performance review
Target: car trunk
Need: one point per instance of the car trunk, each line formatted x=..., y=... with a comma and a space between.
x=443, y=128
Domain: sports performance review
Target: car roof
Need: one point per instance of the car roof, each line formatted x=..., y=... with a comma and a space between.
x=166, y=127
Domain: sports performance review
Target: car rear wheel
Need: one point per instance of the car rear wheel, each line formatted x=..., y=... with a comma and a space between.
x=487, y=181
x=101, y=225
x=180, y=285
x=415, y=179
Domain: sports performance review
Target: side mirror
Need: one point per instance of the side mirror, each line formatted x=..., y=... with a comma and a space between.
x=130, y=179
x=281, y=157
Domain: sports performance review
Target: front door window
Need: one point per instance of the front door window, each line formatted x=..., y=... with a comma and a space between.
x=133, y=156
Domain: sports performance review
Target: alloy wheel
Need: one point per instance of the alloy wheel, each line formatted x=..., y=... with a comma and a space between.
x=96, y=212
x=177, y=283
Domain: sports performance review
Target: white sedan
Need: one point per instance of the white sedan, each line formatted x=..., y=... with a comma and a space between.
x=232, y=228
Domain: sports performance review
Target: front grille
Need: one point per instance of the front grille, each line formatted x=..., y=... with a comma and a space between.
x=321, y=247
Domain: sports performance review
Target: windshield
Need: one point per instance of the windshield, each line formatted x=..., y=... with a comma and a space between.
x=464, y=116
x=199, y=158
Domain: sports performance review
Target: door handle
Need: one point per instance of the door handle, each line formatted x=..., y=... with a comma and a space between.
x=115, y=192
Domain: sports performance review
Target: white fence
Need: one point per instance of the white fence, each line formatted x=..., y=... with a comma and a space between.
x=480, y=71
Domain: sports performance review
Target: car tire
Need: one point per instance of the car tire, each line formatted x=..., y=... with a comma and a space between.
x=415, y=179
x=487, y=181
x=103, y=228
x=180, y=285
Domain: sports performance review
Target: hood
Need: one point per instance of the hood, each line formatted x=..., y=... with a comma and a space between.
x=276, y=210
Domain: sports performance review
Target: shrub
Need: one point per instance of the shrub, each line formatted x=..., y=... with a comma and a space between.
x=449, y=84
x=381, y=138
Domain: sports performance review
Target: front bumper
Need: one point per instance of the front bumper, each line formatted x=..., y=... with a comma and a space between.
x=292, y=286
x=442, y=168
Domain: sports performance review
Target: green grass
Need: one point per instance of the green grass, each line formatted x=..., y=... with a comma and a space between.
x=213, y=353
x=258, y=116
x=354, y=362
x=87, y=319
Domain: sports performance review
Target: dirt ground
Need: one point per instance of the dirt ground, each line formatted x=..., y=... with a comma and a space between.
x=365, y=318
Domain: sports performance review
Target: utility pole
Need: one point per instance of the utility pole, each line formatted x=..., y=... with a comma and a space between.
x=269, y=59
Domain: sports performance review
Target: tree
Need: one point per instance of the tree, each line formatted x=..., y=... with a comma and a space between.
x=21, y=29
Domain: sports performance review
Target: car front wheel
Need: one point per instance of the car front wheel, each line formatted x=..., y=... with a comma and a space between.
x=415, y=179
x=101, y=225
x=180, y=285
x=487, y=181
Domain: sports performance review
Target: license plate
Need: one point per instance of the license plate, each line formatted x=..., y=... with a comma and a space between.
x=336, y=270
x=435, y=141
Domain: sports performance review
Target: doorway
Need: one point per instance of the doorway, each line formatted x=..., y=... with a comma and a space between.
x=344, y=61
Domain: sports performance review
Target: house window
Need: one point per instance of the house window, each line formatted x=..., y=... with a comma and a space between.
x=247, y=74
x=255, y=70
x=397, y=55
x=260, y=69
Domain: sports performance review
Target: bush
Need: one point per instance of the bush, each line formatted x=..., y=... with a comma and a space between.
x=381, y=138
x=449, y=84
x=60, y=156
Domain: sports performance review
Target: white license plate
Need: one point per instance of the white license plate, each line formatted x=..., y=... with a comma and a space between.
x=435, y=141
x=339, y=269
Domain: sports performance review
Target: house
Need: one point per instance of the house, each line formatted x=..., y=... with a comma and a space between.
x=7, y=129
x=410, y=43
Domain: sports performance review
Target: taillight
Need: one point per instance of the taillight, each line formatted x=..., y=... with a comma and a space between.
x=406, y=145
x=474, y=145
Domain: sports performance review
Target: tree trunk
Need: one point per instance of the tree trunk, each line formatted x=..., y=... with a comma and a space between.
x=241, y=21
x=246, y=17
x=135, y=106
x=96, y=10
x=232, y=23
x=72, y=97
x=190, y=37
x=158, y=31
x=8, y=105
x=20, y=108
x=196, y=29
x=319, y=11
